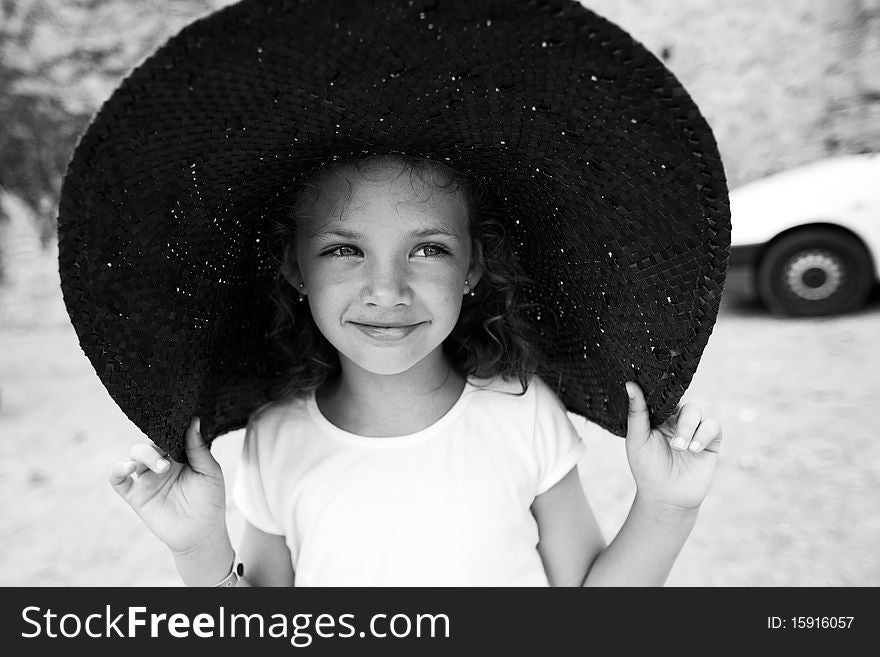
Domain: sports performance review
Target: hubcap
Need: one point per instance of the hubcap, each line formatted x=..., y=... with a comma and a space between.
x=814, y=275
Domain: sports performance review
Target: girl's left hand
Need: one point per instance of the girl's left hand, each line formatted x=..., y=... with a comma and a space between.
x=674, y=463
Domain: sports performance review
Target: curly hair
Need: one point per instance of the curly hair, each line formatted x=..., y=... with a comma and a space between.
x=492, y=337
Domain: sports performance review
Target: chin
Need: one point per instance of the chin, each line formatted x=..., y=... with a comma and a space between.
x=388, y=360
x=385, y=364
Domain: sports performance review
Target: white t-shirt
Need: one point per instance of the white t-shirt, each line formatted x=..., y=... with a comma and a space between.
x=446, y=506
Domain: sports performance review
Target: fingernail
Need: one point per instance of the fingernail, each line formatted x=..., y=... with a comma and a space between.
x=695, y=446
x=162, y=465
x=199, y=426
x=678, y=442
x=629, y=390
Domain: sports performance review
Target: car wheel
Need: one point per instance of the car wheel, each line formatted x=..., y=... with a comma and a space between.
x=815, y=271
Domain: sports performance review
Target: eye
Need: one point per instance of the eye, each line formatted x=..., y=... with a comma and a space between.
x=343, y=251
x=431, y=251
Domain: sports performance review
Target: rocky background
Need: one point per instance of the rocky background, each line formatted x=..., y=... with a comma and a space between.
x=782, y=83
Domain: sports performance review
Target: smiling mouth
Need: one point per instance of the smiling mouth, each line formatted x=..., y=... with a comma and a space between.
x=387, y=332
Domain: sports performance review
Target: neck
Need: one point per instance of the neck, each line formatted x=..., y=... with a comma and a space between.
x=377, y=405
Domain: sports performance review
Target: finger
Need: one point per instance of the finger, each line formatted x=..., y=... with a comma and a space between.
x=197, y=451
x=638, y=423
x=707, y=437
x=149, y=456
x=120, y=476
x=689, y=417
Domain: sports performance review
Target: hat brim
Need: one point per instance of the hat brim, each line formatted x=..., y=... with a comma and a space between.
x=609, y=176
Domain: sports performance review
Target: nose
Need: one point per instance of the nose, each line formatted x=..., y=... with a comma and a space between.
x=386, y=284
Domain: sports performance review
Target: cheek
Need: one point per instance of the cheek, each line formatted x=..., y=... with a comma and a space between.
x=453, y=296
x=450, y=298
x=443, y=287
x=325, y=299
x=322, y=280
x=324, y=296
x=449, y=286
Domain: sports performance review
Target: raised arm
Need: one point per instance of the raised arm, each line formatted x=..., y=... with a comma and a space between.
x=672, y=478
x=184, y=505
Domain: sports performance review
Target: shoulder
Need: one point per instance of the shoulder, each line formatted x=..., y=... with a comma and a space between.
x=271, y=418
x=509, y=393
x=538, y=408
x=545, y=396
x=536, y=387
x=274, y=429
x=499, y=389
x=533, y=424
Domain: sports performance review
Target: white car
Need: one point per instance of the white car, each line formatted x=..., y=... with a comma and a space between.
x=810, y=235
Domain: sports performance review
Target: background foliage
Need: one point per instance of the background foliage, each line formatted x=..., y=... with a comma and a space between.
x=59, y=60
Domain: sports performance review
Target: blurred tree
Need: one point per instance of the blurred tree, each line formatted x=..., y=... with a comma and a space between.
x=59, y=60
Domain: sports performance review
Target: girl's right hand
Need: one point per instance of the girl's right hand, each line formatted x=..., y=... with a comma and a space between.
x=184, y=505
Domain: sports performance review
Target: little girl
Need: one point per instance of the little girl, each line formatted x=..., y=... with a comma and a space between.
x=413, y=438
x=399, y=242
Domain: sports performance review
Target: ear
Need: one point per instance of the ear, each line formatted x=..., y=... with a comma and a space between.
x=291, y=273
x=475, y=271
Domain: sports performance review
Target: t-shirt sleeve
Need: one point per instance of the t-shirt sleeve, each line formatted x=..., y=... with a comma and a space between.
x=249, y=491
x=558, y=446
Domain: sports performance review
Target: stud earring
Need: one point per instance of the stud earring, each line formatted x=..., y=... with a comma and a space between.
x=467, y=289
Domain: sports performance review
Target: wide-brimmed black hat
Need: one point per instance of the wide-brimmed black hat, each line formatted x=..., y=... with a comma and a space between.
x=606, y=172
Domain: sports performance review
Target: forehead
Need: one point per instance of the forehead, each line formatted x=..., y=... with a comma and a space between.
x=385, y=191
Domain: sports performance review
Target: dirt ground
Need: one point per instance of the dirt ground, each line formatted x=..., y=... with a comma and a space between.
x=795, y=501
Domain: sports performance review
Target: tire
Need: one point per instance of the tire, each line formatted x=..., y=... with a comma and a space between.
x=815, y=271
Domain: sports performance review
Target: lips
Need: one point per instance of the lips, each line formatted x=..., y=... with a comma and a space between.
x=387, y=332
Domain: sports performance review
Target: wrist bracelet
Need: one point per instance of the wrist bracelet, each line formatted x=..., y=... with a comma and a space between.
x=235, y=574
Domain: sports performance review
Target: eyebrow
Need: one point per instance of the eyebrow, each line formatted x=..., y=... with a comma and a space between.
x=422, y=233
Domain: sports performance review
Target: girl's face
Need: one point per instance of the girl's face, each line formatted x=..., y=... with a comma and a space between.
x=383, y=257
